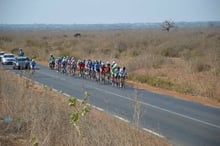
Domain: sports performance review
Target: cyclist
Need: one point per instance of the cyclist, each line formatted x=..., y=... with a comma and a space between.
x=92, y=69
x=122, y=75
x=69, y=65
x=116, y=76
x=20, y=52
x=59, y=62
x=64, y=65
x=113, y=69
x=32, y=64
x=97, y=70
x=81, y=66
x=87, y=69
x=51, y=61
x=108, y=71
x=74, y=66
x=103, y=72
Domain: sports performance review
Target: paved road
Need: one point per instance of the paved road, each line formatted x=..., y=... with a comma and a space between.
x=181, y=122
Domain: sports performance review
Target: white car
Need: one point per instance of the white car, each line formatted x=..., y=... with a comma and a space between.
x=8, y=59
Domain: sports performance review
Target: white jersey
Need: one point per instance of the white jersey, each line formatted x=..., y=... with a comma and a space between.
x=122, y=72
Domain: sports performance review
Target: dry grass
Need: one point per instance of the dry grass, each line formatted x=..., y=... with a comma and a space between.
x=37, y=111
x=184, y=60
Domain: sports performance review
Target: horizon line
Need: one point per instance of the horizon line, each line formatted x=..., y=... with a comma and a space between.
x=108, y=23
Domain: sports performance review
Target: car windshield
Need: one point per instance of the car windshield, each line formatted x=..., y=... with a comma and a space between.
x=9, y=56
x=23, y=59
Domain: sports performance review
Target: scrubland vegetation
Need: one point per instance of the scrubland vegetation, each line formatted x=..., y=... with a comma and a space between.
x=185, y=60
x=41, y=117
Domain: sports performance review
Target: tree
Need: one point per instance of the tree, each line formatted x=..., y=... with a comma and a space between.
x=167, y=25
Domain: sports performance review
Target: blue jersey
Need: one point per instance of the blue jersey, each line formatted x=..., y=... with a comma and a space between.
x=97, y=66
x=59, y=60
x=33, y=64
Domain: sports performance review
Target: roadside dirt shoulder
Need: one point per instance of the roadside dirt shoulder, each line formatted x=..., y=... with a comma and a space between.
x=197, y=99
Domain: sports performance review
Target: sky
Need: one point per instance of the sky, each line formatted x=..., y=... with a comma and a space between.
x=107, y=11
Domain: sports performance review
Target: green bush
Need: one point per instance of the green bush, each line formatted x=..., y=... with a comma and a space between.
x=153, y=81
x=171, y=52
x=182, y=89
x=159, y=82
x=14, y=50
x=64, y=53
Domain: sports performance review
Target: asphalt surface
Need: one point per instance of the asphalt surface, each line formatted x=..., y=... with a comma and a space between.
x=181, y=122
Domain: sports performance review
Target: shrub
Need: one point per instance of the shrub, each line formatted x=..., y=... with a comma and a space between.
x=5, y=39
x=64, y=52
x=200, y=67
x=145, y=62
x=151, y=80
x=92, y=50
x=134, y=53
x=171, y=52
x=14, y=50
x=159, y=82
x=183, y=89
x=36, y=43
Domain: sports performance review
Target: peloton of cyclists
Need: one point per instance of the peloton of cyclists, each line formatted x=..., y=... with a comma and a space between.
x=98, y=70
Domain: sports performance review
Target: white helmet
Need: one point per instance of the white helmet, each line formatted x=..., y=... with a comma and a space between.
x=115, y=65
